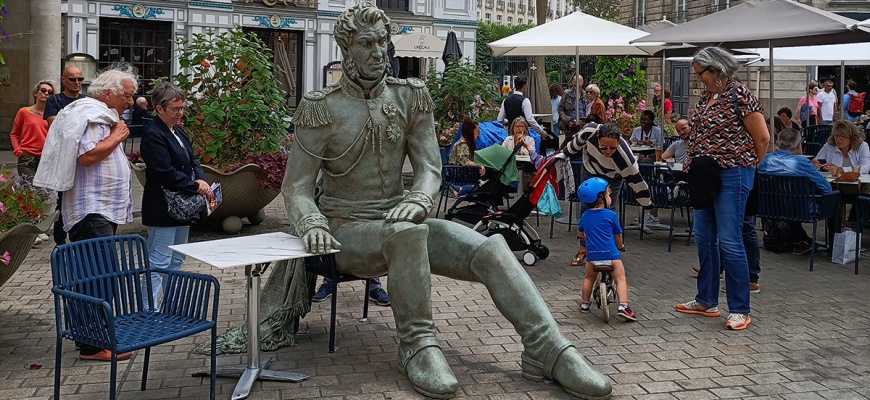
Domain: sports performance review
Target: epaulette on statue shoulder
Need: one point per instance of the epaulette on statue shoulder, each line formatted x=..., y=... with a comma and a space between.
x=312, y=111
x=421, y=100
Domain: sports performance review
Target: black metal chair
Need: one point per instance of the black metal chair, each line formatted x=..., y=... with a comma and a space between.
x=862, y=220
x=793, y=198
x=815, y=137
x=669, y=140
x=660, y=183
x=455, y=175
x=99, y=288
x=324, y=266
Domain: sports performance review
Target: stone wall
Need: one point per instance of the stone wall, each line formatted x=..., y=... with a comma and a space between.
x=15, y=93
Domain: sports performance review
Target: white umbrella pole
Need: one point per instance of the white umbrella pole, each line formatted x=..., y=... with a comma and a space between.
x=842, y=89
x=770, y=93
x=577, y=81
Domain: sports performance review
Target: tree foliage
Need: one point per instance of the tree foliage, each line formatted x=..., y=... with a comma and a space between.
x=488, y=32
x=604, y=9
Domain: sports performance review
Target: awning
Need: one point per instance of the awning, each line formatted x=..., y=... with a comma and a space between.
x=421, y=45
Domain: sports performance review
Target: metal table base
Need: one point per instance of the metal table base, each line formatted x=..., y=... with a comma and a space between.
x=255, y=368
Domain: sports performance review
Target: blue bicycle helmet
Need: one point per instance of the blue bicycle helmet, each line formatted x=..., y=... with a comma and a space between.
x=589, y=189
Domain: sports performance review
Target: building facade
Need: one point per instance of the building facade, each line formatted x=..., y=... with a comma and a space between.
x=519, y=12
x=95, y=34
x=685, y=90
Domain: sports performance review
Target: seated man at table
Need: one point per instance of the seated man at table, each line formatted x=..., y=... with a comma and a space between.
x=788, y=161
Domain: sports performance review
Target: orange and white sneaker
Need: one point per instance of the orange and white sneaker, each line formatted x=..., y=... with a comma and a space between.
x=694, y=307
x=737, y=321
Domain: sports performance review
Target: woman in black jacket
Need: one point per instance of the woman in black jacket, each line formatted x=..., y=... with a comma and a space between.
x=171, y=166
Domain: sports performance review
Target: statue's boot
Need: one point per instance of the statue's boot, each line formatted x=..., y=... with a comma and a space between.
x=547, y=353
x=410, y=286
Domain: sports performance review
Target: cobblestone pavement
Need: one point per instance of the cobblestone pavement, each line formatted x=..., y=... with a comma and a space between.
x=809, y=337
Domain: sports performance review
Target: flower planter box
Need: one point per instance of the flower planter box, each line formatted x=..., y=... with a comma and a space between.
x=17, y=242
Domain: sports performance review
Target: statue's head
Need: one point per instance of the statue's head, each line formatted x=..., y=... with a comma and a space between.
x=363, y=33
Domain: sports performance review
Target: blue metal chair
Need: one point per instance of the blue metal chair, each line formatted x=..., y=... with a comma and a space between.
x=815, y=137
x=455, y=175
x=660, y=183
x=325, y=266
x=669, y=140
x=99, y=288
x=793, y=198
x=862, y=220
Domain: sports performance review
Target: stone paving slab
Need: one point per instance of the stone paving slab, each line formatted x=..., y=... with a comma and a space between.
x=809, y=337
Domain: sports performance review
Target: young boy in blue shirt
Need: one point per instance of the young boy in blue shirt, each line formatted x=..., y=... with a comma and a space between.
x=600, y=228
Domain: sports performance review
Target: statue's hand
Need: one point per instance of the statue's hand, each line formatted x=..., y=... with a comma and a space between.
x=319, y=241
x=410, y=212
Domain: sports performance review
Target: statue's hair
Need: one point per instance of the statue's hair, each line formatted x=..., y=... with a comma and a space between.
x=363, y=14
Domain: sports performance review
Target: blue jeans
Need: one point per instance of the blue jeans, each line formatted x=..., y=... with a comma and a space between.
x=374, y=285
x=750, y=243
x=163, y=258
x=720, y=230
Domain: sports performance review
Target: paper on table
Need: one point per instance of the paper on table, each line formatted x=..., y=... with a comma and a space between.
x=245, y=250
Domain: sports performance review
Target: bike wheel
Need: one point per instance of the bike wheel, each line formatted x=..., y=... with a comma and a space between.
x=605, y=308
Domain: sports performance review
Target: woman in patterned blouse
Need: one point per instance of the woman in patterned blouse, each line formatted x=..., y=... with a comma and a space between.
x=729, y=135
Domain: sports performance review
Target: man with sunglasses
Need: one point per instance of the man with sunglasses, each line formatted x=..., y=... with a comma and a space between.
x=71, y=79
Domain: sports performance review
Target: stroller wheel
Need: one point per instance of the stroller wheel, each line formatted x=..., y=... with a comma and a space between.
x=529, y=258
x=542, y=252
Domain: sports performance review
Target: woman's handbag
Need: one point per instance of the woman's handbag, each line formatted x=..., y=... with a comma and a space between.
x=182, y=206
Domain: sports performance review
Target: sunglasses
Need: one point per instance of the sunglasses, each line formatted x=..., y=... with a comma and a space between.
x=46, y=91
x=611, y=148
x=589, y=91
x=702, y=72
x=79, y=79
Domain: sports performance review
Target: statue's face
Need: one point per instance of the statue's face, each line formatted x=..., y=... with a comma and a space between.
x=369, y=51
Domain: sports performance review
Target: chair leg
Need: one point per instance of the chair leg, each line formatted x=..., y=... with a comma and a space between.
x=57, y=353
x=537, y=217
x=438, y=209
x=858, y=231
x=813, y=246
x=552, y=222
x=671, y=233
x=332, y=317
x=640, y=221
x=212, y=378
x=365, y=298
x=145, y=367
x=570, y=214
x=113, y=378
x=691, y=227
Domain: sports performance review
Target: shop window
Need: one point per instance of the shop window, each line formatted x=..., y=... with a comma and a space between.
x=143, y=44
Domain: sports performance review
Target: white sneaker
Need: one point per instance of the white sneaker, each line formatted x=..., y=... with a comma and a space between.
x=651, y=219
x=646, y=229
x=43, y=237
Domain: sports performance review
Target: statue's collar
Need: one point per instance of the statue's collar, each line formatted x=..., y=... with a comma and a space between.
x=355, y=90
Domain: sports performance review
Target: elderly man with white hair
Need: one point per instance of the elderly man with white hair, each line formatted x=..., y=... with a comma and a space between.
x=82, y=158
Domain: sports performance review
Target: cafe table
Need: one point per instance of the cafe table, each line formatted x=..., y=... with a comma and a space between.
x=254, y=253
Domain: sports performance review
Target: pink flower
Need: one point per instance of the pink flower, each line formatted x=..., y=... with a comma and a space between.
x=2, y=207
x=6, y=258
x=3, y=179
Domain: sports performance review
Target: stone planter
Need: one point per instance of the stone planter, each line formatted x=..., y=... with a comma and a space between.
x=18, y=241
x=242, y=195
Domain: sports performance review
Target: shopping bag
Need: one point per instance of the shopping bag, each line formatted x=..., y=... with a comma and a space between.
x=549, y=203
x=844, y=247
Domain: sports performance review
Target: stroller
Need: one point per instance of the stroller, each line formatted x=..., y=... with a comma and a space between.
x=512, y=225
x=486, y=198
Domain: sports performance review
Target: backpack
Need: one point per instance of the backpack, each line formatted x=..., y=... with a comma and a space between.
x=856, y=104
x=805, y=112
x=776, y=235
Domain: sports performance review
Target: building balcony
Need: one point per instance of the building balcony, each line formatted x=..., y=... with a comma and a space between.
x=636, y=22
x=392, y=5
x=531, y=10
x=558, y=14
x=521, y=8
x=511, y=6
x=489, y=3
x=677, y=17
x=549, y=13
x=499, y=5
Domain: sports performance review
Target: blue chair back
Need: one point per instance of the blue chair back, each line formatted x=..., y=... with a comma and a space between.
x=459, y=175
x=817, y=134
x=793, y=198
x=669, y=140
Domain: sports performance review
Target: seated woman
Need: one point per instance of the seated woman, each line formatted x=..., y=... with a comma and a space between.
x=647, y=131
x=845, y=152
x=519, y=134
x=463, y=150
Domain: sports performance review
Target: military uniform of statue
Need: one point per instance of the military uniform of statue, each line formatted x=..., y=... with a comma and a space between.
x=359, y=132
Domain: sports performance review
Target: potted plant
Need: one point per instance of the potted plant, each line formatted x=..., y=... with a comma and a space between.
x=623, y=87
x=237, y=120
x=23, y=215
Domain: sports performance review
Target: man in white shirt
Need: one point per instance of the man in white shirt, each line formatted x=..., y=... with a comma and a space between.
x=517, y=105
x=828, y=100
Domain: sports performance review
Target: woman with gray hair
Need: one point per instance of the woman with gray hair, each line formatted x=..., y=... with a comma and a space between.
x=594, y=105
x=29, y=130
x=728, y=139
x=171, y=166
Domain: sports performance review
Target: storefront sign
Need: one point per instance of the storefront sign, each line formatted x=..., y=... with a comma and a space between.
x=271, y=3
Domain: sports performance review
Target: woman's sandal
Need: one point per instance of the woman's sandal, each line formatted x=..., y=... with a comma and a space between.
x=577, y=261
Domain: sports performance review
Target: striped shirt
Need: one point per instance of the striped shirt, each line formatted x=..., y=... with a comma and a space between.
x=104, y=188
x=621, y=164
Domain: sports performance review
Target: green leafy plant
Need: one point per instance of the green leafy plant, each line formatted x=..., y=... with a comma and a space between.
x=235, y=110
x=3, y=35
x=623, y=88
x=461, y=90
x=553, y=77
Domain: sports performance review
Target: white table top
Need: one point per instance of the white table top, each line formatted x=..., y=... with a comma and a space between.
x=245, y=250
x=676, y=167
x=641, y=148
x=864, y=178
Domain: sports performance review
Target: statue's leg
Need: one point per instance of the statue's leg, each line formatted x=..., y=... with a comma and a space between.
x=403, y=250
x=458, y=252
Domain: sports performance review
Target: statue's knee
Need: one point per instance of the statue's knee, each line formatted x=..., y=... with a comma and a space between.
x=391, y=229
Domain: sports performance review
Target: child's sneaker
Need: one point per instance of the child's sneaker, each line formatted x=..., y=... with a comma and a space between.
x=584, y=307
x=626, y=315
x=694, y=307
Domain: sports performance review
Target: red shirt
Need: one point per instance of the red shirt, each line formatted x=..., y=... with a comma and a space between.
x=718, y=130
x=28, y=133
